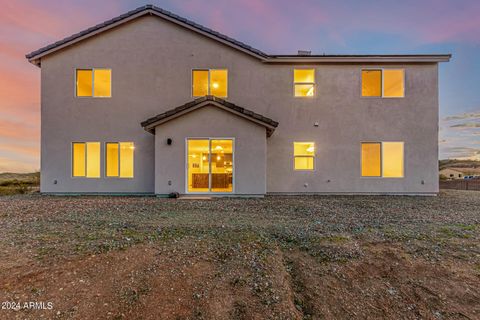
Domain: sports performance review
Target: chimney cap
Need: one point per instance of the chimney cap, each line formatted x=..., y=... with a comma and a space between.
x=304, y=53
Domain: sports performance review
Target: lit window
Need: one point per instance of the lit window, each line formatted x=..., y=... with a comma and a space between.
x=372, y=83
x=389, y=83
x=84, y=83
x=393, y=83
x=210, y=82
x=119, y=159
x=304, y=82
x=86, y=159
x=382, y=159
x=304, y=155
x=371, y=159
x=392, y=164
x=94, y=83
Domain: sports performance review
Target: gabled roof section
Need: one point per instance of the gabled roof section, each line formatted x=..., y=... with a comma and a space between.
x=34, y=56
x=150, y=124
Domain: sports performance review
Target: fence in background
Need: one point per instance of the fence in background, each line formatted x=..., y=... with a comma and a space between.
x=470, y=184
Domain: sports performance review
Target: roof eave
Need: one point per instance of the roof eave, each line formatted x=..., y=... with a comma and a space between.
x=360, y=59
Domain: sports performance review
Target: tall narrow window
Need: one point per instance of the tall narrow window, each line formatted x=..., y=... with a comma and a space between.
x=393, y=83
x=372, y=83
x=94, y=83
x=383, y=159
x=86, y=159
x=304, y=82
x=304, y=155
x=119, y=159
x=84, y=83
x=210, y=82
x=387, y=83
x=371, y=159
x=392, y=159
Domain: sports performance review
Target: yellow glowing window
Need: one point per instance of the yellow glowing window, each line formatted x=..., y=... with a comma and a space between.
x=210, y=82
x=102, y=82
x=86, y=159
x=78, y=157
x=304, y=82
x=371, y=159
x=389, y=83
x=372, y=83
x=393, y=83
x=304, y=155
x=382, y=159
x=119, y=159
x=94, y=83
x=112, y=160
x=84, y=83
x=392, y=156
x=200, y=83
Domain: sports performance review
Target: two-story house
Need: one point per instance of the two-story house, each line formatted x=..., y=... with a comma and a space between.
x=152, y=103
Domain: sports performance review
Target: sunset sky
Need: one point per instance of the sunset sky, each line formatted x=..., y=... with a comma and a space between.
x=273, y=26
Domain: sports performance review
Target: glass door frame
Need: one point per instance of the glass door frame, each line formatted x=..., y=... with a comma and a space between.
x=209, y=165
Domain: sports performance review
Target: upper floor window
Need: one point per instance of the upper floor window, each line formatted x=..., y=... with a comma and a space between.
x=304, y=155
x=94, y=83
x=86, y=159
x=382, y=159
x=304, y=82
x=387, y=83
x=210, y=82
x=119, y=159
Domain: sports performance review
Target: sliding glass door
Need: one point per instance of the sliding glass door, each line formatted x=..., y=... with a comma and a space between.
x=210, y=165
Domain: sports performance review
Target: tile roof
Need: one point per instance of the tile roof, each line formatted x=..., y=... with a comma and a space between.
x=270, y=124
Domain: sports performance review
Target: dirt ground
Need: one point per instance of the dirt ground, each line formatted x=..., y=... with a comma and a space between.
x=316, y=257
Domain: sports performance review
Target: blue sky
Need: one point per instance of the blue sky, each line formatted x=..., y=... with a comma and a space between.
x=274, y=26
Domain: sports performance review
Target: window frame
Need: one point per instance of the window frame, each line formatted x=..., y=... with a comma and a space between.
x=85, y=160
x=314, y=83
x=381, y=160
x=208, y=87
x=119, y=160
x=314, y=156
x=93, y=83
x=382, y=96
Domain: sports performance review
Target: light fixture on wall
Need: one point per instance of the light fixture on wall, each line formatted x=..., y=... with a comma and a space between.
x=169, y=141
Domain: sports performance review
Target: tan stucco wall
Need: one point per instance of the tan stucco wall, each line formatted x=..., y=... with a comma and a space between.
x=249, y=154
x=151, y=62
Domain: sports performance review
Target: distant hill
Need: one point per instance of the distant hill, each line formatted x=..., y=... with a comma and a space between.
x=454, y=163
x=23, y=177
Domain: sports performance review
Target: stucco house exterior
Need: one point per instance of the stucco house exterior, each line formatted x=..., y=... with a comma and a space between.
x=152, y=103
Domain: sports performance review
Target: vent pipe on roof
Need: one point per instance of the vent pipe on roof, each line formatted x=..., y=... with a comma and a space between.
x=304, y=53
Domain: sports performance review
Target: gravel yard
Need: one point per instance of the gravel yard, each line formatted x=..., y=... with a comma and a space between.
x=277, y=257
